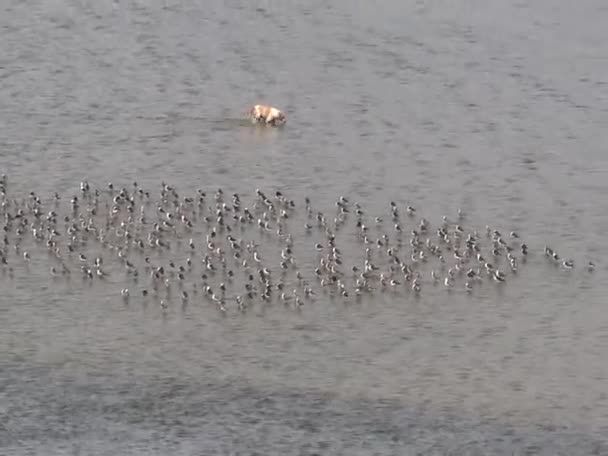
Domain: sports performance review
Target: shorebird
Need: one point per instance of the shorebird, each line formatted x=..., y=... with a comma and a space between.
x=164, y=234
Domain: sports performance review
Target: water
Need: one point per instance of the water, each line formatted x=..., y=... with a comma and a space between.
x=498, y=108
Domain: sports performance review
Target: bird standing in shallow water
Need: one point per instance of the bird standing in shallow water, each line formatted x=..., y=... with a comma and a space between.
x=164, y=235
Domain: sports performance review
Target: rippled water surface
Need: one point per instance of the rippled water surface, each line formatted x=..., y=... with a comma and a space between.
x=497, y=108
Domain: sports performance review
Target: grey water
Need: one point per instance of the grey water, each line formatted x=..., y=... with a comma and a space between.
x=497, y=108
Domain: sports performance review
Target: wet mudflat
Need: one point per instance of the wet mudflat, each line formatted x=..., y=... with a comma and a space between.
x=498, y=111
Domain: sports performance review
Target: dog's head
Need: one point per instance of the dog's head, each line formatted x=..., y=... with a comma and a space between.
x=279, y=118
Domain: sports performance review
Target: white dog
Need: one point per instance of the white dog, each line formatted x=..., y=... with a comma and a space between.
x=267, y=114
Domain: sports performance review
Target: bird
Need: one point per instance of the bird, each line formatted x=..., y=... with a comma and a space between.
x=221, y=244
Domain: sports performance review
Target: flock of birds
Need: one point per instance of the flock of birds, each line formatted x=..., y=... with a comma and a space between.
x=212, y=248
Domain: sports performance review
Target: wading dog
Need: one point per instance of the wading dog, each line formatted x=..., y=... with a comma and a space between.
x=267, y=114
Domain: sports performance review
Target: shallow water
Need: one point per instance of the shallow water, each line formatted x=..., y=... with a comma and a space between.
x=497, y=108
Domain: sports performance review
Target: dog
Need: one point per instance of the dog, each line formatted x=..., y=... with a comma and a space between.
x=267, y=114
